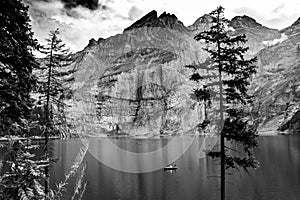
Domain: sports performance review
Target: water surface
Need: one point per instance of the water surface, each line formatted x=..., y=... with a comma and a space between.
x=278, y=177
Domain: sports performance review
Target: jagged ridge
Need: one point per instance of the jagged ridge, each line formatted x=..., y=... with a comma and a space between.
x=165, y=20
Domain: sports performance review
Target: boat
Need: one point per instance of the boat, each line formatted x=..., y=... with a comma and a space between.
x=171, y=167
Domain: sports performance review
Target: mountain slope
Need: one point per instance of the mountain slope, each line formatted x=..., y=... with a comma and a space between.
x=277, y=84
x=255, y=32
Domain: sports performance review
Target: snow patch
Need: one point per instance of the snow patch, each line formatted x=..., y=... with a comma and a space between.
x=269, y=43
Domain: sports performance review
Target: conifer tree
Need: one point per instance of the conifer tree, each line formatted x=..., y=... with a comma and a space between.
x=54, y=73
x=23, y=178
x=226, y=57
x=16, y=65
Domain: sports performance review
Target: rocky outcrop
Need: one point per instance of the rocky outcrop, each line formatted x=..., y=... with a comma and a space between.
x=165, y=20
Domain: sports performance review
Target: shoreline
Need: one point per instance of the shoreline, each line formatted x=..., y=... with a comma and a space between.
x=39, y=138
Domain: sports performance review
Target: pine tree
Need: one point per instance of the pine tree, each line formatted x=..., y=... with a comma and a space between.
x=54, y=73
x=233, y=75
x=16, y=65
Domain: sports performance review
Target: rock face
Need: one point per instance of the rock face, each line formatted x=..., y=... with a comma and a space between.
x=136, y=82
x=165, y=20
x=277, y=84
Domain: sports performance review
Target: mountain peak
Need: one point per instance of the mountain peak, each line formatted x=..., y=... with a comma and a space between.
x=93, y=42
x=165, y=20
x=244, y=21
x=202, y=23
x=203, y=19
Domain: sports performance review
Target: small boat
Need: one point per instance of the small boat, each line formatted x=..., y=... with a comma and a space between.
x=171, y=167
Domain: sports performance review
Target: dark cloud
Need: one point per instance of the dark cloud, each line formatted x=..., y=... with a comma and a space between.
x=69, y=4
x=78, y=22
x=90, y=4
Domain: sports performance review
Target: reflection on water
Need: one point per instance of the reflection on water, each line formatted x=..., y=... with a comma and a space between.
x=277, y=178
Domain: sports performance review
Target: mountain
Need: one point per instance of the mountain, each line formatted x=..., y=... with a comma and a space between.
x=136, y=83
x=255, y=32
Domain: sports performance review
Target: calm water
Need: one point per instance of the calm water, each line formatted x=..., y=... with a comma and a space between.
x=278, y=177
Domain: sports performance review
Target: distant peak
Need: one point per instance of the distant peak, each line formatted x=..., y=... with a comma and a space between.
x=203, y=19
x=244, y=21
x=167, y=15
x=202, y=23
x=144, y=21
x=151, y=19
x=92, y=42
x=100, y=40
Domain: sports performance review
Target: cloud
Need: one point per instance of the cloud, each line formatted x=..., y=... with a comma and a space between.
x=77, y=24
x=134, y=12
x=277, y=9
x=274, y=14
x=81, y=20
x=68, y=4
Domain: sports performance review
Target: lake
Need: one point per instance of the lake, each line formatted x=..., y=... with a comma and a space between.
x=277, y=178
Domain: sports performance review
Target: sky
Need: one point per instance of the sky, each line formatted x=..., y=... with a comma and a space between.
x=81, y=20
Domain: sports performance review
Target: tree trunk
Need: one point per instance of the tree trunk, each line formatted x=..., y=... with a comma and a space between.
x=222, y=140
x=222, y=150
x=46, y=149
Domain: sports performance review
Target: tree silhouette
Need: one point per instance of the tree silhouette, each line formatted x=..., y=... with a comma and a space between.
x=16, y=65
x=54, y=73
x=234, y=72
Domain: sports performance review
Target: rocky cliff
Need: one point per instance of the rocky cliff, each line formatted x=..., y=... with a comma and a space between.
x=277, y=83
x=165, y=20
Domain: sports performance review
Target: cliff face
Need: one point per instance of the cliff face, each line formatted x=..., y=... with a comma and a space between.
x=277, y=83
x=136, y=83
